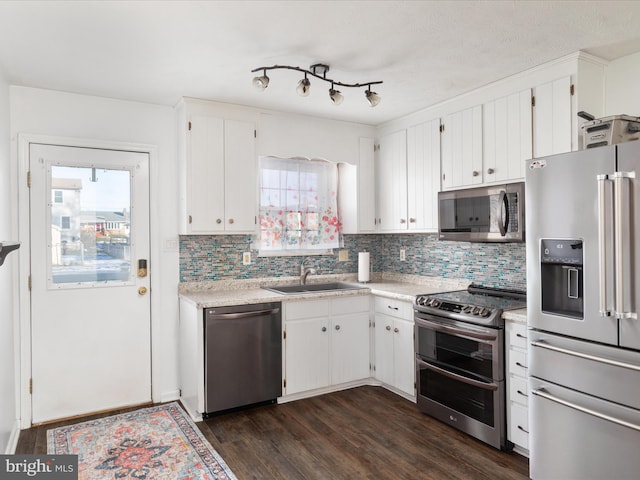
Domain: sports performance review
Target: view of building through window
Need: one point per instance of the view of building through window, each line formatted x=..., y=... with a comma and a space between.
x=90, y=225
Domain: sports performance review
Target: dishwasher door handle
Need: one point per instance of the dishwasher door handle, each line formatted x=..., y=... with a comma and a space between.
x=234, y=316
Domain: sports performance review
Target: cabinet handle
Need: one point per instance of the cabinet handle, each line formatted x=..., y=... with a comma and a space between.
x=525, y=431
x=412, y=220
x=522, y=393
x=337, y=327
x=521, y=365
x=231, y=221
x=324, y=329
x=520, y=336
x=388, y=328
x=402, y=220
x=476, y=173
x=396, y=330
x=490, y=171
x=392, y=308
x=218, y=221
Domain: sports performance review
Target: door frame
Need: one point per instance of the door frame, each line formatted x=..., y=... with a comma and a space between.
x=23, y=357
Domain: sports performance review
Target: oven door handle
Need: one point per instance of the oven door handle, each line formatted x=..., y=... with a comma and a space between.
x=461, y=378
x=455, y=331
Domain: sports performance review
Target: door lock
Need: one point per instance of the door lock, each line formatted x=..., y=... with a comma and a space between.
x=142, y=291
x=142, y=268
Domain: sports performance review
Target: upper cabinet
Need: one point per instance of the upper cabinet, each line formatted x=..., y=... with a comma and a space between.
x=219, y=174
x=391, y=181
x=462, y=148
x=552, y=117
x=507, y=137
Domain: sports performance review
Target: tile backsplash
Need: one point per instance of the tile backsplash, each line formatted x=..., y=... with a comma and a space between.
x=219, y=257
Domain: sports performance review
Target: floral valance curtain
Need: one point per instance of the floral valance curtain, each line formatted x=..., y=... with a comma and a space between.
x=298, y=204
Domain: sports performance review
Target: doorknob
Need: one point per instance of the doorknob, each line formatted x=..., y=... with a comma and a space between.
x=142, y=291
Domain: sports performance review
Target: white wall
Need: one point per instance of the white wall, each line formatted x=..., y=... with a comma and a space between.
x=8, y=390
x=45, y=112
x=622, y=96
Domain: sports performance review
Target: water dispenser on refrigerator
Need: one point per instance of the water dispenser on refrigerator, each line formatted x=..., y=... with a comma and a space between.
x=562, y=277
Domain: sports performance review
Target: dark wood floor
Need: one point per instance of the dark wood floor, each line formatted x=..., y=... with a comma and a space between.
x=361, y=433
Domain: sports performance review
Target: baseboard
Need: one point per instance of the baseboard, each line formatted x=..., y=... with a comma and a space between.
x=169, y=396
x=13, y=439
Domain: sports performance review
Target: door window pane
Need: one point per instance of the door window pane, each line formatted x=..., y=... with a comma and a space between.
x=90, y=225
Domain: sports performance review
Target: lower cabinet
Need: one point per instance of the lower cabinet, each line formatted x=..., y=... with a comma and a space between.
x=326, y=343
x=517, y=392
x=394, y=345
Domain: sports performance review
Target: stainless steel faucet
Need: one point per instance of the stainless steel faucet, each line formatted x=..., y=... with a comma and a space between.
x=305, y=272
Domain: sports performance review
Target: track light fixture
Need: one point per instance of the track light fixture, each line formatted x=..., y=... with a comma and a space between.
x=318, y=70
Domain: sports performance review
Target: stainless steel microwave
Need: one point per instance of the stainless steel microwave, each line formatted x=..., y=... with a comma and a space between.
x=486, y=214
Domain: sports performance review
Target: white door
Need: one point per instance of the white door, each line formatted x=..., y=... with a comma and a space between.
x=90, y=306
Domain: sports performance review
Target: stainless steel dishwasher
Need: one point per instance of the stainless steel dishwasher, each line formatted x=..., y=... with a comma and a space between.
x=242, y=356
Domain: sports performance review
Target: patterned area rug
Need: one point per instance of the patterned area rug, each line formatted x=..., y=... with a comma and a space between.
x=155, y=443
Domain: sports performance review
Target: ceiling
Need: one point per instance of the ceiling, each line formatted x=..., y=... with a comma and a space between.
x=424, y=51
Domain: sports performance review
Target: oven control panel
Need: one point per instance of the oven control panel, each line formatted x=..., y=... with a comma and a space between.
x=443, y=305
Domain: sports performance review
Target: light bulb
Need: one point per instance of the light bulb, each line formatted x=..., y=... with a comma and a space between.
x=372, y=97
x=303, y=87
x=336, y=96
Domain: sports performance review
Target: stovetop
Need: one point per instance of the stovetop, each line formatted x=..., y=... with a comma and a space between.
x=477, y=304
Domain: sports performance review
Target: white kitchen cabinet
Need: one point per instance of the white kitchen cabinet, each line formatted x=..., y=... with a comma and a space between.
x=219, y=173
x=326, y=343
x=462, y=148
x=507, y=137
x=517, y=392
x=394, y=345
x=356, y=187
x=423, y=175
x=391, y=181
x=552, y=117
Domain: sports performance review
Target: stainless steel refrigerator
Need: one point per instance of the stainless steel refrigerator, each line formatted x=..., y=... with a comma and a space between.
x=583, y=295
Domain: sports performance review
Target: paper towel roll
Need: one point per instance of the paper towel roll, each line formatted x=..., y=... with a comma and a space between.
x=363, y=266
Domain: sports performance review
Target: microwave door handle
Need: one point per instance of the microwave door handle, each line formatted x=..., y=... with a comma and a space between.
x=622, y=243
x=503, y=223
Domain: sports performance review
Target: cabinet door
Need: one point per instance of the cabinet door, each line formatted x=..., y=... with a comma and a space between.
x=349, y=347
x=240, y=176
x=391, y=176
x=404, y=356
x=307, y=354
x=507, y=137
x=366, y=187
x=423, y=175
x=462, y=148
x=384, y=361
x=205, y=172
x=552, y=118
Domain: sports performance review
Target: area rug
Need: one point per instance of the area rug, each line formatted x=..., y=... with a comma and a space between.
x=154, y=443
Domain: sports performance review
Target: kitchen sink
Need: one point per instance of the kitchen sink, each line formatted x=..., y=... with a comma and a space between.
x=313, y=287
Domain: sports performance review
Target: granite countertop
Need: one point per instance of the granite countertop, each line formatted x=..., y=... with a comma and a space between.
x=519, y=315
x=244, y=292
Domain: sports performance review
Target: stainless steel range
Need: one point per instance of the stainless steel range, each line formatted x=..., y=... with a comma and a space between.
x=460, y=371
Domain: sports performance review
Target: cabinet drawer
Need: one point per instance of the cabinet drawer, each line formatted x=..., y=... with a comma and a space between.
x=351, y=304
x=518, y=391
x=518, y=335
x=519, y=428
x=518, y=363
x=306, y=309
x=394, y=308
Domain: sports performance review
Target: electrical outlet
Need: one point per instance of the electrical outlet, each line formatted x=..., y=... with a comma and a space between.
x=343, y=256
x=403, y=256
x=246, y=258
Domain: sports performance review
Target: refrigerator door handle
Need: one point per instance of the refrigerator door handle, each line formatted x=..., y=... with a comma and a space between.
x=542, y=393
x=603, y=251
x=622, y=233
x=586, y=356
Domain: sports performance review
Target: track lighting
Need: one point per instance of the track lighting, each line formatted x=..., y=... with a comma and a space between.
x=318, y=70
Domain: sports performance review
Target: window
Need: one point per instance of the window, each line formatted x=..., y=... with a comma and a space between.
x=298, y=205
x=57, y=196
x=65, y=222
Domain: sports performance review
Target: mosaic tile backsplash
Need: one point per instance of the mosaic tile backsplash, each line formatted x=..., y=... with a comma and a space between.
x=219, y=257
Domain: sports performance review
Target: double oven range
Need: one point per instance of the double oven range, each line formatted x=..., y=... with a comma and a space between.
x=460, y=359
